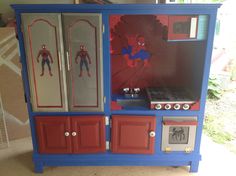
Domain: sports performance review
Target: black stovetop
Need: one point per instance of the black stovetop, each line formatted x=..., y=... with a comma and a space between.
x=169, y=94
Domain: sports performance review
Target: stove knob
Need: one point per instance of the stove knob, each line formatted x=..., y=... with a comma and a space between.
x=177, y=106
x=158, y=106
x=167, y=106
x=186, y=107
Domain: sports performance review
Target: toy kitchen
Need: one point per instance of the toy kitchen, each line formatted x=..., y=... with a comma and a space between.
x=116, y=85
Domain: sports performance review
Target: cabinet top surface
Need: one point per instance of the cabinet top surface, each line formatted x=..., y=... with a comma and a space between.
x=53, y=7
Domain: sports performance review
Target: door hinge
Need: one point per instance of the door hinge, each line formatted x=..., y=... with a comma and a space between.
x=21, y=28
x=107, y=145
x=104, y=100
x=110, y=123
x=103, y=28
x=30, y=102
x=107, y=120
x=25, y=97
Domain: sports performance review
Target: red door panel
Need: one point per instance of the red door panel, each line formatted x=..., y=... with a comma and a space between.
x=130, y=134
x=89, y=134
x=51, y=134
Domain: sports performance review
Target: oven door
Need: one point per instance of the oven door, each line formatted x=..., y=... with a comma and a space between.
x=178, y=134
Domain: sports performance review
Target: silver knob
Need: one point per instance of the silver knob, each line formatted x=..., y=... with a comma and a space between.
x=177, y=106
x=136, y=90
x=126, y=90
x=167, y=106
x=74, y=133
x=152, y=134
x=186, y=106
x=67, y=134
x=158, y=106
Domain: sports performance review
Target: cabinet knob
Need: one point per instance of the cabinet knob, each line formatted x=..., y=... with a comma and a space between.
x=152, y=134
x=74, y=133
x=67, y=133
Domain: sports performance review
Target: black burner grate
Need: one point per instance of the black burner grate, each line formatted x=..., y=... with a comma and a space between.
x=169, y=94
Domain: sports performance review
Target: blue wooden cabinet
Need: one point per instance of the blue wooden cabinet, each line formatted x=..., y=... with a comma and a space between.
x=116, y=85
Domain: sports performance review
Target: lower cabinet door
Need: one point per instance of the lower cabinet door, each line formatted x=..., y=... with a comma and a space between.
x=133, y=134
x=53, y=134
x=88, y=134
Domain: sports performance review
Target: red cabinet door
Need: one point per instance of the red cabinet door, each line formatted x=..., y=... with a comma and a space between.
x=133, y=134
x=88, y=134
x=53, y=134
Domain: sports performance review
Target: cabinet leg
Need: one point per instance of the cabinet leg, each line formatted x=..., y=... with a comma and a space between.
x=194, y=166
x=38, y=167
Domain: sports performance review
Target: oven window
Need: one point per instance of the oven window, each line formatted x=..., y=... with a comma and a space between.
x=181, y=27
x=178, y=135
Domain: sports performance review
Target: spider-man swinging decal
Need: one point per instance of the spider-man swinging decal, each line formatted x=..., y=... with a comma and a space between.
x=136, y=51
x=45, y=54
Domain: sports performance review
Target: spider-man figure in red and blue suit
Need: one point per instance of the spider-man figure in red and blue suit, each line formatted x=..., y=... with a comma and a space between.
x=45, y=59
x=136, y=51
x=83, y=54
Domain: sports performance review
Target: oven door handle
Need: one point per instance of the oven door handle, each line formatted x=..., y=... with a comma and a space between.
x=183, y=123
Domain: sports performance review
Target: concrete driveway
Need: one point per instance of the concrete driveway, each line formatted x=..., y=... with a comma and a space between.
x=216, y=161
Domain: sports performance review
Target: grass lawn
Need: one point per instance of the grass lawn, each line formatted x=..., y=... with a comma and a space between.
x=220, y=118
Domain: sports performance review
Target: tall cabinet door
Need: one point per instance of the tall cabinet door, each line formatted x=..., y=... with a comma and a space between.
x=83, y=50
x=88, y=134
x=43, y=46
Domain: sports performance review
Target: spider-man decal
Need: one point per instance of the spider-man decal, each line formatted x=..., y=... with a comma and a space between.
x=84, y=60
x=137, y=48
x=45, y=54
x=178, y=134
x=135, y=51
